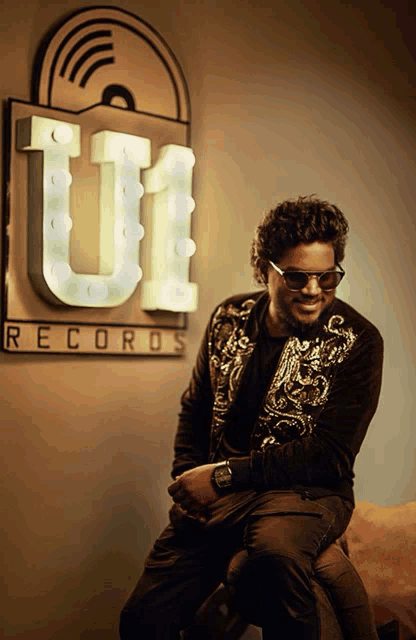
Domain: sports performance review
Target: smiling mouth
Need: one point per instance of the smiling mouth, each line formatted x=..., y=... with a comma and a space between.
x=309, y=304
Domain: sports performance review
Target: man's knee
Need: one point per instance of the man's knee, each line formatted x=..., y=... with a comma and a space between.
x=281, y=567
x=268, y=587
x=270, y=573
x=271, y=541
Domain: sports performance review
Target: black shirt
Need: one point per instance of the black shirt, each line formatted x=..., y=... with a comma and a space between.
x=254, y=384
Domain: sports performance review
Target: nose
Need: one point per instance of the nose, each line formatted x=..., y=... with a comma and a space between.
x=312, y=288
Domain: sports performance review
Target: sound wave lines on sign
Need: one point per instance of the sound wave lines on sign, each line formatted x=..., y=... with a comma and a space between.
x=82, y=60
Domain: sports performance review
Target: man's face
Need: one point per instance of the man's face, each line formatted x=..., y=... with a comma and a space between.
x=301, y=309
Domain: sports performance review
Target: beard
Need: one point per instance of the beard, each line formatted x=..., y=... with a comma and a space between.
x=297, y=327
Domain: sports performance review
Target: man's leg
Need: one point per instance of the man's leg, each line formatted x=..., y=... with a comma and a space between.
x=349, y=596
x=284, y=535
x=185, y=565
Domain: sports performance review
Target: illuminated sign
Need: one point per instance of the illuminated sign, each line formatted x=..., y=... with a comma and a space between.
x=99, y=186
x=171, y=183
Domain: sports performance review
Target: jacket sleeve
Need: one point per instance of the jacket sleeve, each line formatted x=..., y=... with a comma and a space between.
x=325, y=457
x=191, y=448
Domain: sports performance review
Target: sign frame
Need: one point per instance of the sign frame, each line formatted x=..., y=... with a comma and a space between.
x=157, y=332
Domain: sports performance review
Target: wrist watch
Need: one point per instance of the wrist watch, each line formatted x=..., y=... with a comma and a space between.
x=222, y=475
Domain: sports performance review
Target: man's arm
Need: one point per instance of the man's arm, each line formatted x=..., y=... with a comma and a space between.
x=191, y=448
x=192, y=488
x=322, y=459
x=326, y=456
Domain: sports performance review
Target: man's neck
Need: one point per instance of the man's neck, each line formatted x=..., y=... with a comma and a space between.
x=275, y=328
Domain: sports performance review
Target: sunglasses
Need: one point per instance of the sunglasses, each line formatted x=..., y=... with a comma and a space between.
x=297, y=280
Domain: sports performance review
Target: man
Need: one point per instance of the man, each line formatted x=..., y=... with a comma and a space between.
x=285, y=385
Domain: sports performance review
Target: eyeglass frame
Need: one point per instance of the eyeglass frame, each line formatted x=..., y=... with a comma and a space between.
x=310, y=274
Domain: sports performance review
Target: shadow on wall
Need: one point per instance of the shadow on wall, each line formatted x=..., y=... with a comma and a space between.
x=81, y=600
x=86, y=567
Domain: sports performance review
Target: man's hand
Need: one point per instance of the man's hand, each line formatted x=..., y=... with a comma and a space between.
x=193, y=490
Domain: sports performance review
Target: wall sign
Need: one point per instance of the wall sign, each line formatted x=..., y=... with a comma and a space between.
x=98, y=194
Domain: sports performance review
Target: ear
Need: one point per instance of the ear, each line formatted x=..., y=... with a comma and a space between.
x=264, y=272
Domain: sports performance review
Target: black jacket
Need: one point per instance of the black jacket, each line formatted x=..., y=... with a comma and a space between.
x=314, y=415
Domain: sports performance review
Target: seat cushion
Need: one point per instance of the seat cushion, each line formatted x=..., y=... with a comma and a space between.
x=382, y=546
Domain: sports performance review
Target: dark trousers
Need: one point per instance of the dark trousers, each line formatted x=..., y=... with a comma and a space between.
x=283, y=533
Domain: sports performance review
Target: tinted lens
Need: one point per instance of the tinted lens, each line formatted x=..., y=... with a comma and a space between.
x=330, y=279
x=296, y=280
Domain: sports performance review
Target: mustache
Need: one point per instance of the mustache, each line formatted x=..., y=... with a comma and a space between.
x=309, y=299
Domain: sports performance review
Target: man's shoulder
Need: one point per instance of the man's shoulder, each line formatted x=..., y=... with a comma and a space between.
x=241, y=310
x=242, y=300
x=359, y=323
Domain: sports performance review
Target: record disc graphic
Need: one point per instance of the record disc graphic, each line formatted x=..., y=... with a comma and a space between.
x=104, y=55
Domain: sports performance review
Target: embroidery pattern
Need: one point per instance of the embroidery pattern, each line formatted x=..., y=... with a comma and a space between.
x=301, y=384
x=230, y=349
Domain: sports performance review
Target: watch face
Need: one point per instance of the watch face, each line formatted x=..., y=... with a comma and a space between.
x=222, y=476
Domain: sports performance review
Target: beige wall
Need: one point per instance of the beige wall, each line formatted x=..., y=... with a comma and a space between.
x=305, y=97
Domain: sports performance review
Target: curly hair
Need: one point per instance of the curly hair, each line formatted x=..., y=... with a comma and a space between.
x=302, y=221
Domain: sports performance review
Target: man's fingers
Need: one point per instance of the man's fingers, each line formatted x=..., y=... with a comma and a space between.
x=183, y=498
x=174, y=488
x=190, y=507
x=185, y=501
x=180, y=495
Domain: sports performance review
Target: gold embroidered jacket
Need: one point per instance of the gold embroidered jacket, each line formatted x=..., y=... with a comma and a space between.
x=315, y=413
